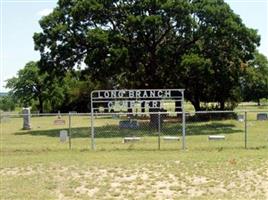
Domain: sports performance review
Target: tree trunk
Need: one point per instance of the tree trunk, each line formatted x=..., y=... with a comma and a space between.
x=41, y=109
x=222, y=105
x=129, y=109
x=178, y=107
x=142, y=107
x=259, y=102
x=196, y=104
x=154, y=118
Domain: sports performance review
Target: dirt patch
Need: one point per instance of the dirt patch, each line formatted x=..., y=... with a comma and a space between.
x=150, y=182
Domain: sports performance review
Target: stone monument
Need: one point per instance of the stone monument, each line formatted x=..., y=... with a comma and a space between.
x=262, y=116
x=26, y=118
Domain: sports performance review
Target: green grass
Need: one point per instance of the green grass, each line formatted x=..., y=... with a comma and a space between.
x=35, y=165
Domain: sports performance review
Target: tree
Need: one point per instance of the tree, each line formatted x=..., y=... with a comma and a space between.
x=149, y=44
x=29, y=85
x=77, y=92
x=7, y=103
x=51, y=93
x=255, y=80
x=32, y=85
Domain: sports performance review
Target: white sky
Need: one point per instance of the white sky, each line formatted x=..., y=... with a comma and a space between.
x=19, y=20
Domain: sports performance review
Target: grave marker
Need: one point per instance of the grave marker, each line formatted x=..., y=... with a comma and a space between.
x=26, y=118
x=262, y=116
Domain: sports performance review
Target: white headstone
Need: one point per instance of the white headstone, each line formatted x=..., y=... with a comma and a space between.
x=26, y=118
x=240, y=118
x=63, y=135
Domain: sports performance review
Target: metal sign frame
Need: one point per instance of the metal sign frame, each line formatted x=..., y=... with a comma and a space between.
x=152, y=98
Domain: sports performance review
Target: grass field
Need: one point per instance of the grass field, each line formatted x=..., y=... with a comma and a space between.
x=35, y=165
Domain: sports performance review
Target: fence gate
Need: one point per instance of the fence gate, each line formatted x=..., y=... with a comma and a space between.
x=140, y=117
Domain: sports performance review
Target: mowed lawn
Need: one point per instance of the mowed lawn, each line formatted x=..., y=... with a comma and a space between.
x=36, y=165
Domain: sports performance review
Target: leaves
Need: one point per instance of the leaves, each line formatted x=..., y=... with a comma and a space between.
x=150, y=44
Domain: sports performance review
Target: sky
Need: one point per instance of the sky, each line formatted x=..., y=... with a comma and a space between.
x=19, y=20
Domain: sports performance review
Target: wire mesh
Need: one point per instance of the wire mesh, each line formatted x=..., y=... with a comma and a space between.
x=142, y=131
x=257, y=128
x=209, y=130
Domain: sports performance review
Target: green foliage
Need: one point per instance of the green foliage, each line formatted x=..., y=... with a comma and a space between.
x=7, y=103
x=255, y=81
x=196, y=45
x=33, y=88
x=29, y=85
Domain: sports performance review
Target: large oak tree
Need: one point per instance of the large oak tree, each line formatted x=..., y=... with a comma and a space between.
x=195, y=44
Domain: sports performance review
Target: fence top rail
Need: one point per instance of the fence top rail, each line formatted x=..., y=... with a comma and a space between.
x=46, y=114
x=132, y=113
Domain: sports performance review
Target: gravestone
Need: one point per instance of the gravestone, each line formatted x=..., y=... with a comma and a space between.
x=216, y=137
x=241, y=118
x=171, y=138
x=26, y=118
x=63, y=135
x=129, y=124
x=262, y=116
x=59, y=122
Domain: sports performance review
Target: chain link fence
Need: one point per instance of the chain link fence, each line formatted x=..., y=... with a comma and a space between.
x=139, y=131
x=143, y=131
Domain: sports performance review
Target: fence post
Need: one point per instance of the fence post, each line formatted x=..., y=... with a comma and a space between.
x=183, y=130
x=246, y=130
x=159, y=129
x=92, y=131
x=70, y=131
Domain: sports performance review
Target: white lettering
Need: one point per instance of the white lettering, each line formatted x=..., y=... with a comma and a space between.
x=147, y=104
x=138, y=94
x=145, y=94
x=168, y=93
x=131, y=104
x=125, y=104
x=110, y=104
x=99, y=95
x=121, y=94
x=106, y=94
x=159, y=93
x=113, y=94
x=154, y=104
x=131, y=94
x=123, y=99
x=152, y=93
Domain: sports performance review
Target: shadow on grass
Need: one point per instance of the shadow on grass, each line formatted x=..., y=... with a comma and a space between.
x=213, y=128
x=109, y=131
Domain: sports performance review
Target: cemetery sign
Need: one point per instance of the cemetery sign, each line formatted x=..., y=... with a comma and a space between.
x=128, y=99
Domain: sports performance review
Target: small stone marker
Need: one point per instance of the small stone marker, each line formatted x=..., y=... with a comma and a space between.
x=131, y=139
x=130, y=124
x=216, y=137
x=241, y=118
x=59, y=122
x=262, y=116
x=63, y=135
x=115, y=116
x=26, y=118
x=171, y=138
